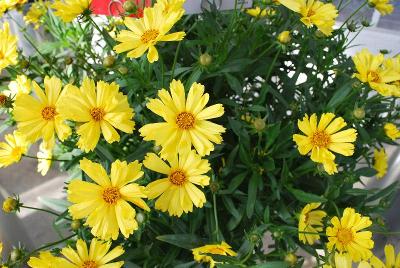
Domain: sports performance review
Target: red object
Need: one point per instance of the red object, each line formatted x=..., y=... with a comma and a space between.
x=114, y=7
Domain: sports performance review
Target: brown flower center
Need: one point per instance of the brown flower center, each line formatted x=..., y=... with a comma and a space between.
x=310, y=13
x=3, y=100
x=374, y=77
x=177, y=177
x=111, y=195
x=48, y=113
x=185, y=120
x=97, y=114
x=89, y=264
x=345, y=236
x=149, y=36
x=320, y=139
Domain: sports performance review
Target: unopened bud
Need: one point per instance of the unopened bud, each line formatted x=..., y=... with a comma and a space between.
x=359, y=113
x=108, y=61
x=291, y=259
x=214, y=187
x=259, y=124
x=15, y=254
x=284, y=37
x=129, y=6
x=140, y=217
x=75, y=225
x=123, y=69
x=10, y=205
x=205, y=59
x=68, y=60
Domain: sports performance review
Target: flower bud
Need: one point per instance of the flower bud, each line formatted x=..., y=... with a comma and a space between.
x=259, y=124
x=214, y=187
x=156, y=149
x=3, y=100
x=123, y=69
x=10, y=205
x=129, y=6
x=23, y=63
x=359, y=113
x=108, y=61
x=205, y=59
x=68, y=60
x=352, y=26
x=365, y=23
x=75, y=225
x=140, y=217
x=384, y=51
x=291, y=259
x=284, y=37
x=15, y=254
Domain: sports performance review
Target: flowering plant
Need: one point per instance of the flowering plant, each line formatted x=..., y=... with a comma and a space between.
x=189, y=145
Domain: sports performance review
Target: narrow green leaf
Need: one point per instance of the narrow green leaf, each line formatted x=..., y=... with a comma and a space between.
x=306, y=197
x=186, y=241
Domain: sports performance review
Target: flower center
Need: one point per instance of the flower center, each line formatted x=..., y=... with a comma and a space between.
x=185, y=120
x=111, y=195
x=16, y=151
x=149, y=36
x=177, y=177
x=345, y=236
x=374, y=77
x=3, y=99
x=89, y=264
x=97, y=114
x=310, y=13
x=2, y=55
x=48, y=113
x=217, y=251
x=320, y=139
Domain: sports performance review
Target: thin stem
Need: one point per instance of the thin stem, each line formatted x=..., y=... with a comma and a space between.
x=386, y=233
x=175, y=60
x=52, y=244
x=267, y=76
x=354, y=13
x=50, y=159
x=41, y=209
x=100, y=31
x=216, y=216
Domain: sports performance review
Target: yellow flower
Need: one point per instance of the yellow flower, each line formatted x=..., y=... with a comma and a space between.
x=383, y=6
x=380, y=162
x=310, y=221
x=372, y=70
x=47, y=260
x=98, y=255
x=105, y=200
x=8, y=47
x=10, y=205
x=314, y=12
x=344, y=261
x=177, y=192
x=12, y=150
x=325, y=137
x=41, y=117
x=186, y=121
x=44, y=159
x=392, y=261
x=392, y=131
x=35, y=13
x=68, y=10
x=217, y=249
x=11, y=4
x=169, y=6
x=258, y=13
x=99, y=109
x=284, y=37
x=346, y=235
x=144, y=33
x=21, y=85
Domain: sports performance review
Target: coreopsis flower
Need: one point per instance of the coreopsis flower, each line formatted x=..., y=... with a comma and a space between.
x=371, y=69
x=8, y=47
x=68, y=10
x=186, y=121
x=98, y=255
x=47, y=260
x=105, y=200
x=346, y=236
x=344, y=261
x=284, y=37
x=314, y=12
x=260, y=13
x=325, y=137
x=100, y=109
x=169, y=6
x=392, y=131
x=35, y=13
x=44, y=156
x=392, y=260
x=41, y=116
x=383, y=6
x=380, y=162
x=199, y=254
x=12, y=150
x=10, y=204
x=177, y=192
x=21, y=85
x=11, y=4
x=146, y=32
x=310, y=221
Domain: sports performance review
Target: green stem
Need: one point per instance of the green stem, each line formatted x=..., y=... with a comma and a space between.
x=271, y=66
x=386, y=233
x=352, y=14
x=100, y=31
x=51, y=159
x=175, y=60
x=42, y=209
x=52, y=244
x=216, y=217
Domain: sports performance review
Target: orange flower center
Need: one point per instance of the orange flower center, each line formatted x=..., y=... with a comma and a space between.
x=149, y=35
x=16, y=151
x=345, y=236
x=2, y=56
x=177, y=177
x=310, y=13
x=48, y=113
x=374, y=77
x=3, y=99
x=185, y=120
x=89, y=264
x=111, y=195
x=217, y=251
x=320, y=139
x=97, y=114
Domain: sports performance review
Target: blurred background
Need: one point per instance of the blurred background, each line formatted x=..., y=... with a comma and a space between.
x=36, y=228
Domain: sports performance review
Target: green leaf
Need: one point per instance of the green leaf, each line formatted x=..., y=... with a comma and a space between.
x=186, y=241
x=234, y=83
x=339, y=95
x=236, y=181
x=384, y=192
x=194, y=77
x=366, y=172
x=272, y=264
x=252, y=194
x=306, y=197
x=104, y=153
